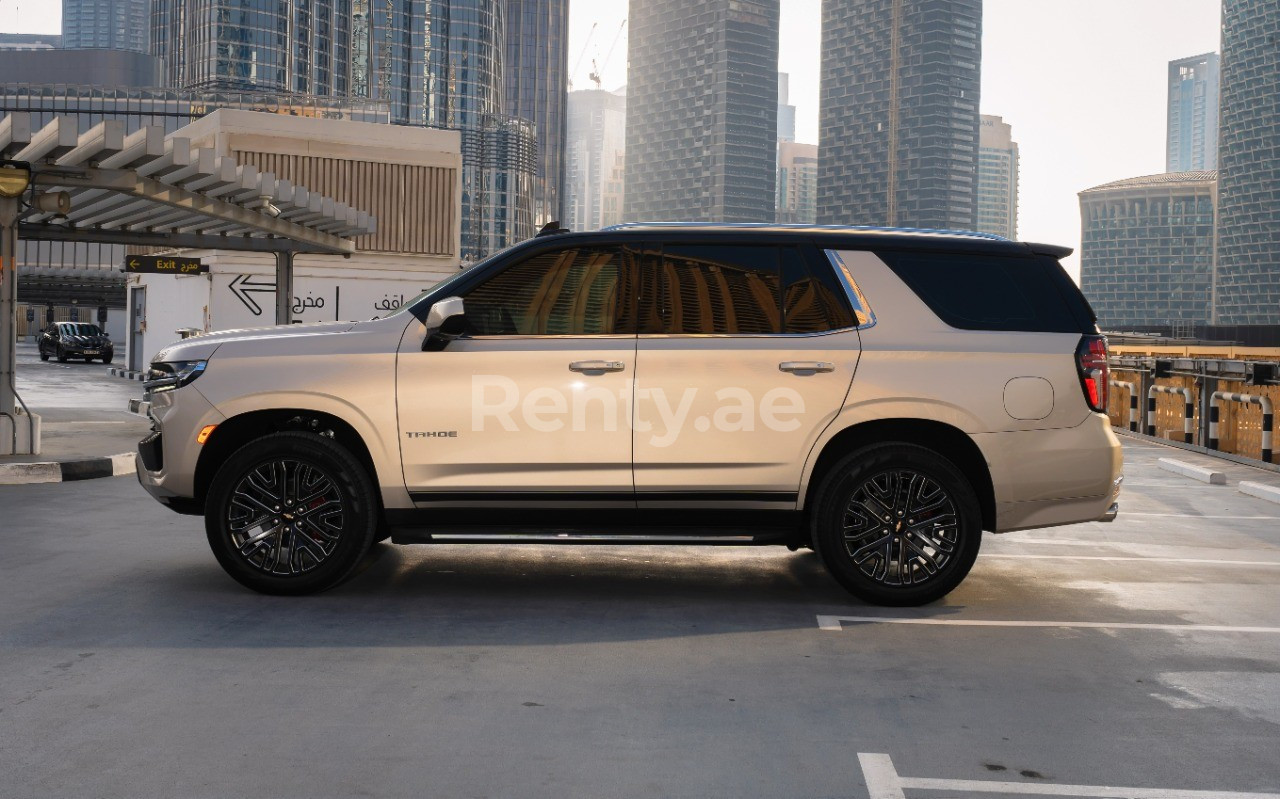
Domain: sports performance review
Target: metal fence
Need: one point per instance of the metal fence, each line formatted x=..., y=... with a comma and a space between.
x=1221, y=403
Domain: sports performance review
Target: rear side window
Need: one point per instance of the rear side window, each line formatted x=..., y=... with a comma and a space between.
x=813, y=301
x=695, y=289
x=984, y=292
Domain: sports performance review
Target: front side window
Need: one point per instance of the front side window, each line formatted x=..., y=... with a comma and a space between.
x=571, y=292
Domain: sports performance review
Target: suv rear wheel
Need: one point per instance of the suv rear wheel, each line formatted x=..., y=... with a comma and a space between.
x=897, y=525
x=291, y=513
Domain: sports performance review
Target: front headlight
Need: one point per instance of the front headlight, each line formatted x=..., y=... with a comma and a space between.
x=172, y=375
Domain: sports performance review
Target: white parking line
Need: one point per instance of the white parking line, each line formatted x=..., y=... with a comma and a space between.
x=1207, y=561
x=884, y=782
x=833, y=624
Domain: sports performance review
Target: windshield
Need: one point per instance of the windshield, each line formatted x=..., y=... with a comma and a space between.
x=81, y=330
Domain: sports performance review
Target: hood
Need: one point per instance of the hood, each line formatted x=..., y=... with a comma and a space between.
x=201, y=347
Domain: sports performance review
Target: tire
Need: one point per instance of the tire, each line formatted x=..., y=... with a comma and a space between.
x=107, y=359
x=44, y=356
x=880, y=557
x=337, y=533
x=62, y=356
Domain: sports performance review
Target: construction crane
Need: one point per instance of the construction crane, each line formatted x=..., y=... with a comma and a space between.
x=578, y=64
x=596, y=70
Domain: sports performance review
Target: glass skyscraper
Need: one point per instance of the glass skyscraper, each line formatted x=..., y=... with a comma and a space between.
x=899, y=112
x=1146, y=252
x=437, y=63
x=702, y=108
x=997, y=178
x=1248, y=283
x=537, y=89
x=106, y=24
x=1192, y=137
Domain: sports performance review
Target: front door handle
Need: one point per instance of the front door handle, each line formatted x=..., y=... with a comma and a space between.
x=807, y=366
x=597, y=366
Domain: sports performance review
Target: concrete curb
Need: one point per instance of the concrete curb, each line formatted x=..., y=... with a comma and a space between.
x=127, y=374
x=66, y=471
x=1194, y=472
x=1261, y=491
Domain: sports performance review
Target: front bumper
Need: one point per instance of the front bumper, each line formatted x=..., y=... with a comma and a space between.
x=167, y=457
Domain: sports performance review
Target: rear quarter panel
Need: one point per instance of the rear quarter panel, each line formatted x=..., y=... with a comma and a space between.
x=914, y=366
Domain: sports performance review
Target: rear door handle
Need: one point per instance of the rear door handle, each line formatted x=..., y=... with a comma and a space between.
x=597, y=366
x=807, y=366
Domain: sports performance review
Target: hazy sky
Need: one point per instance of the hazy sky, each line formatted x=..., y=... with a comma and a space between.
x=1082, y=83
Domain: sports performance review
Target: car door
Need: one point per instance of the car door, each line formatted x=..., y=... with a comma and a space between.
x=533, y=405
x=745, y=355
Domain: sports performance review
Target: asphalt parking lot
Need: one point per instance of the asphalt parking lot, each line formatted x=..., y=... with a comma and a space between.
x=131, y=666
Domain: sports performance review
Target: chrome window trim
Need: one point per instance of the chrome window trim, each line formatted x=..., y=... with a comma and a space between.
x=861, y=308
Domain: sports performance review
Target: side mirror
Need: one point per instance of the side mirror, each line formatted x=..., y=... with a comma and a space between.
x=446, y=321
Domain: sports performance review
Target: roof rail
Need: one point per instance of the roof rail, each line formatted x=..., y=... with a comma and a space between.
x=803, y=227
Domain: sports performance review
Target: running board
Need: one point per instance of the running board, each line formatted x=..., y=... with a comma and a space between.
x=634, y=537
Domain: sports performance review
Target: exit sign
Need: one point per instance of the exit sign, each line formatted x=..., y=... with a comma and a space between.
x=164, y=265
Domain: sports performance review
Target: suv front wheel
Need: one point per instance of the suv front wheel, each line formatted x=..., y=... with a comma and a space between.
x=897, y=525
x=291, y=513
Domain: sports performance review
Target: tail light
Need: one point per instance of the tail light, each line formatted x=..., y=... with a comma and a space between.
x=1095, y=374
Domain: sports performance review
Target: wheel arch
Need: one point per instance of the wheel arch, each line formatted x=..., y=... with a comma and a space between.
x=236, y=431
x=948, y=441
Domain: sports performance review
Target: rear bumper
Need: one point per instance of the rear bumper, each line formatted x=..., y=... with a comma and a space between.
x=1045, y=478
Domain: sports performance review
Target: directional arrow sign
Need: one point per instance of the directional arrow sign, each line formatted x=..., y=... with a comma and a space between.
x=164, y=265
x=242, y=287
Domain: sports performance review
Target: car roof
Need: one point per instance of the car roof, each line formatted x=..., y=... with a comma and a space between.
x=826, y=236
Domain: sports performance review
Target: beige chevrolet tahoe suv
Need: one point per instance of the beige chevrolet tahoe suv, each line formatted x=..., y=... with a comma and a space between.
x=882, y=396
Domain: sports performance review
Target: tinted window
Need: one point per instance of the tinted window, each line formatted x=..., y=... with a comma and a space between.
x=700, y=288
x=559, y=293
x=977, y=292
x=813, y=301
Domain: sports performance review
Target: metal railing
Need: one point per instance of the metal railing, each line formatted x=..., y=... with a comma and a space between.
x=1205, y=384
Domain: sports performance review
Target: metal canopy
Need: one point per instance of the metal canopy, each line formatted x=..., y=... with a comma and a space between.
x=147, y=189
x=151, y=190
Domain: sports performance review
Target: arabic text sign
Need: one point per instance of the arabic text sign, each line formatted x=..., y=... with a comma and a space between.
x=164, y=265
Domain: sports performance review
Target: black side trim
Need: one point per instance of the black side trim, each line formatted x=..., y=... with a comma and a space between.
x=603, y=496
x=522, y=496
x=716, y=496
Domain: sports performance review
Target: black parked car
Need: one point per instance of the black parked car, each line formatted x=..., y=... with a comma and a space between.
x=75, y=340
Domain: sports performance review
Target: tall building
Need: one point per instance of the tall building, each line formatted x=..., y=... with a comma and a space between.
x=899, y=112
x=537, y=84
x=797, y=182
x=786, y=111
x=1248, y=283
x=106, y=24
x=1146, y=252
x=1192, y=139
x=997, y=178
x=702, y=107
x=595, y=159
x=330, y=49
x=435, y=63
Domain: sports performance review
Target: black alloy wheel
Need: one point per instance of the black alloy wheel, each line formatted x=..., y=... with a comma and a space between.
x=897, y=525
x=291, y=513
